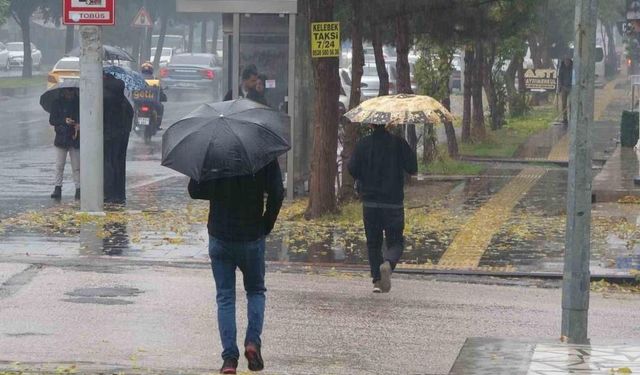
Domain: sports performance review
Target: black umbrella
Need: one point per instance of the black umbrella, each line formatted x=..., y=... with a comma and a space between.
x=110, y=53
x=51, y=95
x=232, y=138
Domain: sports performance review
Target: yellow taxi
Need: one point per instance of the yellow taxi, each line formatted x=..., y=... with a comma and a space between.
x=65, y=68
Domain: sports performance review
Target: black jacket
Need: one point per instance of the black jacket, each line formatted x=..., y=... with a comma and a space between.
x=118, y=113
x=379, y=163
x=60, y=110
x=236, y=208
x=229, y=95
x=565, y=75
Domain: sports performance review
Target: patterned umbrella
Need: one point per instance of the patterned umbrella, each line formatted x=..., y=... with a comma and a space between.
x=400, y=109
x=132, y=79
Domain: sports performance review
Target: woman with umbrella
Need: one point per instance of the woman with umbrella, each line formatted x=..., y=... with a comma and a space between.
x=64, y=115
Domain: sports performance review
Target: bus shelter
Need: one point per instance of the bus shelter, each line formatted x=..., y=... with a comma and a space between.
x=263, y=33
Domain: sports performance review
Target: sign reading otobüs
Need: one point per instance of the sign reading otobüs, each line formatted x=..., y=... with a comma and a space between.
x=540, y=79
x=325, y=39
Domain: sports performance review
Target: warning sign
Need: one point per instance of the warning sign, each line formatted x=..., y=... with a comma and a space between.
x=540, y=79
x=325, y=39
x=142, y=19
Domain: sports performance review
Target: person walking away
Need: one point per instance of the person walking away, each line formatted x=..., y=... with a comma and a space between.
x=379, y=164
x=65, y=118
x=249, y=81
x=565, y=78
x=238, y=223
x=118, y=117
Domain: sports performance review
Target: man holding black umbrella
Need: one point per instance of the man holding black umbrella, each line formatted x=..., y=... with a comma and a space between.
x=230, y=150
x=237, y=226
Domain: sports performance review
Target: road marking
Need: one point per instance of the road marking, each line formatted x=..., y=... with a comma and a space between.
x=471, y=242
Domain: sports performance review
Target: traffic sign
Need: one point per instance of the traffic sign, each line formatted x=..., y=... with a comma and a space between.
x=325, y=39
x=88, y=12
x=142, y=19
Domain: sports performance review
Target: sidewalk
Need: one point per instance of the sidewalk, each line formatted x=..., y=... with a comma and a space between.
x=95, y=315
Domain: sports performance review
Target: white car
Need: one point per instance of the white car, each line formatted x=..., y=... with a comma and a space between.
x=16, y=54
x=4, y=58
x=165, y=57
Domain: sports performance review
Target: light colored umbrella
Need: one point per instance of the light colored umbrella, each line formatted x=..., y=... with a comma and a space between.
x=400, y=109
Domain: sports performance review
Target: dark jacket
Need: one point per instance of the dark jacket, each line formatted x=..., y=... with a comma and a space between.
x=257, y=97
x=118, y=113
x=229, y=95
x=379, y=163
x=61, y=109
x=565, y=75
x=236, y=208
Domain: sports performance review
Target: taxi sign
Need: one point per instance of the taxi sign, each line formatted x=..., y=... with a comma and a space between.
x=88, y=12
x=325, y=39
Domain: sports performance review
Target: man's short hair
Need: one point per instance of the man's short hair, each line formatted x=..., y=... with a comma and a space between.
x=249, y=70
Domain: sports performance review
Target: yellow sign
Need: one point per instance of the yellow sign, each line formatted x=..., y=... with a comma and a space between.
x=325, y=39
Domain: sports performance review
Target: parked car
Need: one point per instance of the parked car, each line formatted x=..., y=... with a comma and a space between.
x=16, y=55
x=66, y=68
x=4, y=57
x=193, y=72
x=175, y=42
x=165, y=57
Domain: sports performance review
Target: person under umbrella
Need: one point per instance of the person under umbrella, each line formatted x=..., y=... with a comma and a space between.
x=230, y=151
x=117, y=117
x=379, y=164
x=64, y=115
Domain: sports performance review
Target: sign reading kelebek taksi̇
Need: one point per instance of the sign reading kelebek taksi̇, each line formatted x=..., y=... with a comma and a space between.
x=325, y=39
x=88, y=12
x=540, y=79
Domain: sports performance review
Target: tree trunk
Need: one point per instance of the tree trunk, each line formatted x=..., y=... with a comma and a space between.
x=452, y=141
x=191, y=32
x=478, y=131
x=516, y=97
x=69, y=38
x=203, y=37
x=325, y=142
x=27, y=63
x=429, y=151
x=403, y=80
x=612, y=58
x=347, y=191
x=381, y=67
x=468, y=84
x=490, y=88
x=164, y=20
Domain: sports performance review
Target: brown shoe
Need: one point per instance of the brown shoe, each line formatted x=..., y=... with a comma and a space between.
x=254, y=357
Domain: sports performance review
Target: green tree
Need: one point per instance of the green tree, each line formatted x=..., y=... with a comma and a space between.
x=4, y=11
x=21, y=11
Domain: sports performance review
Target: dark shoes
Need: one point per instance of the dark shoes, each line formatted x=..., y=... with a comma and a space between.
x=77, y=196
x=385, y=277
x=254, y=357
x=57, y=192
x=229, y=366
x=376, y=287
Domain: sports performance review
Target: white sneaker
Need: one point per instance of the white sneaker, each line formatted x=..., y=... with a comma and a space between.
x=385, y=277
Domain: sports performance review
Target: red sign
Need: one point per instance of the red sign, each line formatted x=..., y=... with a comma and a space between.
x=88, y=12
x=142, y=19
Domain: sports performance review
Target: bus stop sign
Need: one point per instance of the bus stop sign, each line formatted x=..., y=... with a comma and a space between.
x=89, y=12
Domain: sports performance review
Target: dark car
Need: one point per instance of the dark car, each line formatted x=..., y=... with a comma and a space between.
x=193, y=72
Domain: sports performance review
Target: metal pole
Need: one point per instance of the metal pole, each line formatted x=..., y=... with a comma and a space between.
x=576, y=280
x=91, y=110
x=291, y=103
x=235, y=69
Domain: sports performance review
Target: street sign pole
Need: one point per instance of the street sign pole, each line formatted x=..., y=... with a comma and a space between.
x=576, y=280
x=91, y=111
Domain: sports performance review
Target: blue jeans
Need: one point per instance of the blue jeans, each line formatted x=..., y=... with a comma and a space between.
x=249, y=258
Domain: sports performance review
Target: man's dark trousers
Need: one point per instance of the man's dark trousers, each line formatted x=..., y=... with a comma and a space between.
x=387, y=223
